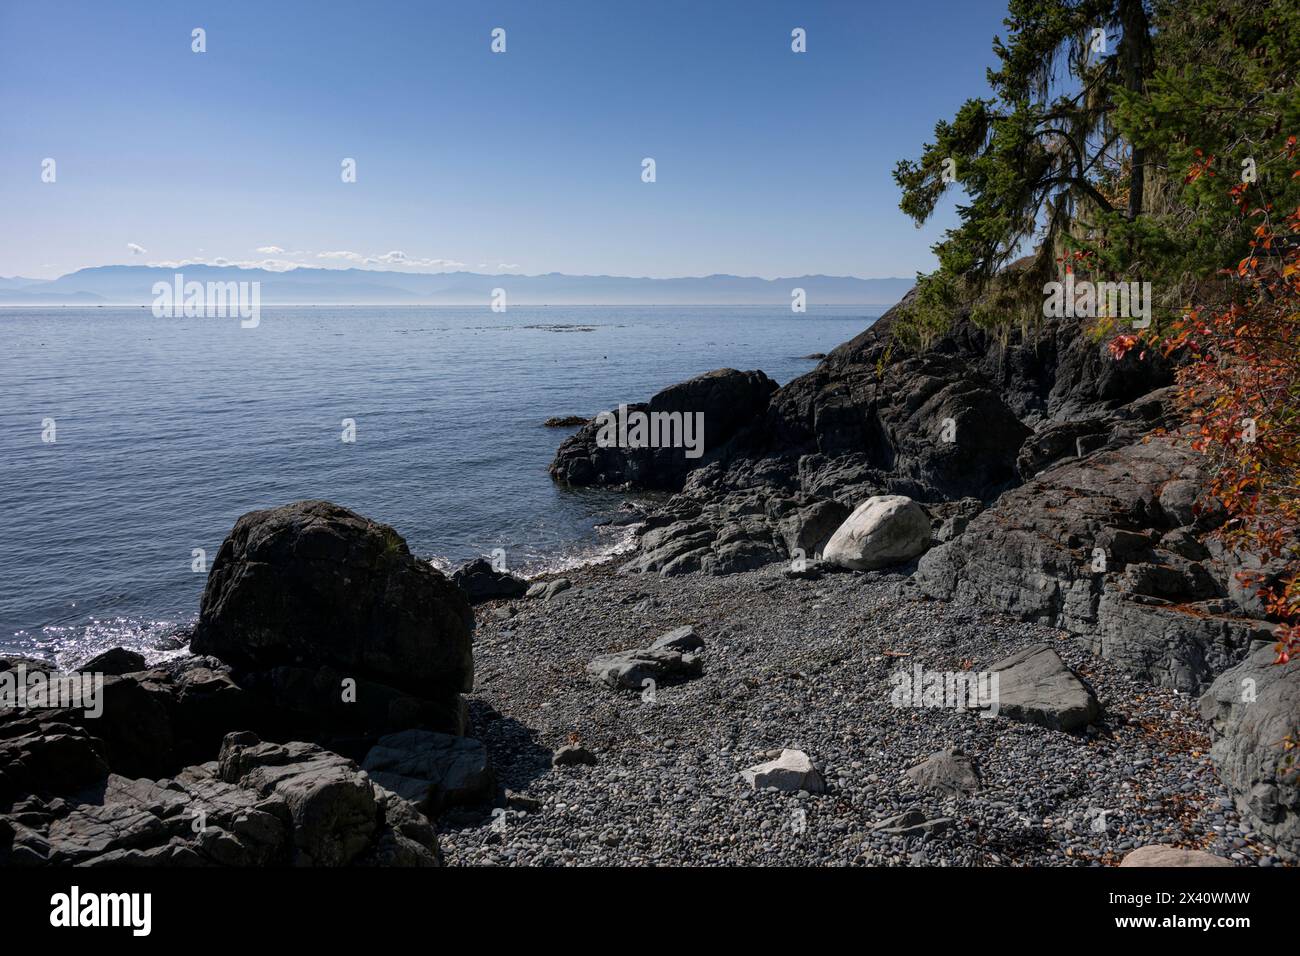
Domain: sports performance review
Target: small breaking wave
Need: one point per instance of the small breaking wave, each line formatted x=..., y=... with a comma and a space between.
x=68, y=646
x=613, y=541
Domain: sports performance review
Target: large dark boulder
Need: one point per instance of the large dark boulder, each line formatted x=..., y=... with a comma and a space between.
x=313, y=584
x=729, y=401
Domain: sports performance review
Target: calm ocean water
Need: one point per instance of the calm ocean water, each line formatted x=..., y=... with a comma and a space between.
x=167, y=430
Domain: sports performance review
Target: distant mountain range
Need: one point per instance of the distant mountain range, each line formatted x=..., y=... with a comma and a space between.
x=133, y=285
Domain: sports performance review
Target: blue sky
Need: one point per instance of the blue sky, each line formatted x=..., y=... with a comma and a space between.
x=768, y=162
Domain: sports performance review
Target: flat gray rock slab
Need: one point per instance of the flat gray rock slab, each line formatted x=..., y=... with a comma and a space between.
x=674, y=656
x=913, y=823
x=1035, y=687
x=682, y=639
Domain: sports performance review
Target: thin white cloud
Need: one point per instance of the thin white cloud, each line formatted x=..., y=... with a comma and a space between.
x=279, y=261
x=177, y=263
x=402, y=260
x=277, y=265
x=507, y=266
x=270, y=265
x=136, y=248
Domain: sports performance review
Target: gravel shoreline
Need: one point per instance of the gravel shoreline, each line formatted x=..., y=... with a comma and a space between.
x=805, y=664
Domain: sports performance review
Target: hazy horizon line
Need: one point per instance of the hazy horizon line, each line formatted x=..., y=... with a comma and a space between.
x=243, y=267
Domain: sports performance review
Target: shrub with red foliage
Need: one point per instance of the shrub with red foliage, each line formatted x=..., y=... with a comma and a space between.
x=1239, y=382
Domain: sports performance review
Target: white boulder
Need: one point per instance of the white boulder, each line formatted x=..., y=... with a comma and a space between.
x=884, y=530
x=791, y=772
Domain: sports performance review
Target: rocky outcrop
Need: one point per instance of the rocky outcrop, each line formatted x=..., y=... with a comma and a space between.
x=1254, y=709
x=732, y=532
x=317, y=609
x=967, y=419
x=1109, y=548
x=482, y=582
x=884, y=530
x=727, y=399
x=260, y=804
x=326, y=625
x=129, y=720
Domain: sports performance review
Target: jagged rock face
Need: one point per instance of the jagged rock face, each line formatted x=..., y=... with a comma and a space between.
x=807, y=528
x=38, y=754
x=133, y=732
x=260, y=804
x=932, y=426
x=727, y=399
x=890, y=409
x=1098, y=547
x=313, y=584
x=1087, y=381
x=1254, y=709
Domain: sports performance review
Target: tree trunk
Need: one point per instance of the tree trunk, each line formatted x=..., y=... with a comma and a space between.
x=1134, y=59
